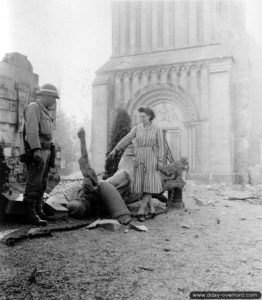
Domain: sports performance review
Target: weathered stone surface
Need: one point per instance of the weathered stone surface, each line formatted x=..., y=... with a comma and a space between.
x=213, y=92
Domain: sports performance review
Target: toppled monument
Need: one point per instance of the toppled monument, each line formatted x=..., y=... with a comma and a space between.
x=111, y=196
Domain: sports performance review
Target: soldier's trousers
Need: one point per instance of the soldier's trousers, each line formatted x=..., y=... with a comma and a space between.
x=37, y=179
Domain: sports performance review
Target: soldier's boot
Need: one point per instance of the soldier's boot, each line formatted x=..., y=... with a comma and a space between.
x=31, y=215
x=40, y=212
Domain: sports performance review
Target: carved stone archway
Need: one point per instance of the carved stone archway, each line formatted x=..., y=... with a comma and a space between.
x=178, y=114
x=150, y=95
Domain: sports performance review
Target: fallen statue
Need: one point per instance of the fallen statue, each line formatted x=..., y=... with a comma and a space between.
x=96, y=197
x=111, y=196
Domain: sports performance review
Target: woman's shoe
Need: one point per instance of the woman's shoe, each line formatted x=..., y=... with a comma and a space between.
x=141, y=218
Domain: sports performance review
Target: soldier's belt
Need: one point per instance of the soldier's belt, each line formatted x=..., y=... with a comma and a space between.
x=45, y=137
x=45, y=145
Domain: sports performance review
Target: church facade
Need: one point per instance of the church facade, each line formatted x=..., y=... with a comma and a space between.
x=192, y=62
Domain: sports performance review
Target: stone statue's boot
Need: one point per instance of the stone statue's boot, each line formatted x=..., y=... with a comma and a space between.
x=32, y=217
x=40, y=212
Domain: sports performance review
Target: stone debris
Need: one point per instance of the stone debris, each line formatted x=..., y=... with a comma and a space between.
x=185, y=226
x=146, y=268
x=109, y=224
x=3, y=234
x=198, y=202
x=138, y=227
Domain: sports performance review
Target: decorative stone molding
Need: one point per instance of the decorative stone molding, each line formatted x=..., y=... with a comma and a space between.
x=186, y=77
x=153, y=77
x=135, y=82
x=149, y=95
x=173, y=76
x=100, y=80
x=217, y=67
x=183, y=77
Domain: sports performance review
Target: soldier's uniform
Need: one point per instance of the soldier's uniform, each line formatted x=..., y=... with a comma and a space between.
x=38, y=136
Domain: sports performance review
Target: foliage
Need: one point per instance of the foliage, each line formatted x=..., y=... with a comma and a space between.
x=66, y=138
x=121, y=127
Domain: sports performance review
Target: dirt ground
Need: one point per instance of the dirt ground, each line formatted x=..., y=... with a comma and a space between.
x=213, y=244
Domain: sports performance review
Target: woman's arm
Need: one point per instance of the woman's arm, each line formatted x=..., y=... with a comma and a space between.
x=126, y=140
x=123, y=143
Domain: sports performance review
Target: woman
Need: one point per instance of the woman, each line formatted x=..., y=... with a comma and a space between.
x=149, y=154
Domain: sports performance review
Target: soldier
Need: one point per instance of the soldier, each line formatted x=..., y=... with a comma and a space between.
x=40, y=152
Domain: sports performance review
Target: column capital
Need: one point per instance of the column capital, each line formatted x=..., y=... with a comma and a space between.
x=222, y=66
x=100, y=80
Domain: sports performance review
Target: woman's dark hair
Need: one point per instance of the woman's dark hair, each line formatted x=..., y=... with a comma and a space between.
x=148, y=111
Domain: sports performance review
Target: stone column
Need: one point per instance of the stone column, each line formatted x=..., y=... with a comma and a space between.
x=154, y=33
x=241, y=130
x=144, y=79
x=135, y=85
x=115, y=27
x=144, y=22
x=204, y=91
x=163, y=76
x=117, y=90
x=138, y=26
x=204, y=147
x=132, y=28
x=173, y=77
x=206, y=22
x=166, y=26
x=179, y=25
x=183, y=78
x=126, y=88
x=194, y=86
x=99, y=122
x=192, y=23
x=172, y=6
x=122, y=27
x=153, y=77
x=190, y=142
x=220, y=138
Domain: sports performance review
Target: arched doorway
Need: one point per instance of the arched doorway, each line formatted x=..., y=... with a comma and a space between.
x=175, y=114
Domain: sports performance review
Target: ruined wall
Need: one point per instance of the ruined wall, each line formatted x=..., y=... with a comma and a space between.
x=17, y=89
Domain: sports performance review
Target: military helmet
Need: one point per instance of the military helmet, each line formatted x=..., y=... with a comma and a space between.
x=48, y=89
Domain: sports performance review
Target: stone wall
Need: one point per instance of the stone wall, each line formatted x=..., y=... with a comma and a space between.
x=17, y=89
x=190, y=61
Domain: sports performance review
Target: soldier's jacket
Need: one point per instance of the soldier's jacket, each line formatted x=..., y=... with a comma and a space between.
x=38, y=125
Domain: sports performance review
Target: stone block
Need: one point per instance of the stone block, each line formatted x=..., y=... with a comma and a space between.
x=177, y=205
x=3, y=203
x=108, y=224
x=15, y=204
x=55, y=208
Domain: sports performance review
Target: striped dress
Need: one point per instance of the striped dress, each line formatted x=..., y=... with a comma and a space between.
x=149, y=149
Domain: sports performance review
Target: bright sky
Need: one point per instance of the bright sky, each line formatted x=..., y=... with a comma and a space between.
x=67, y=40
